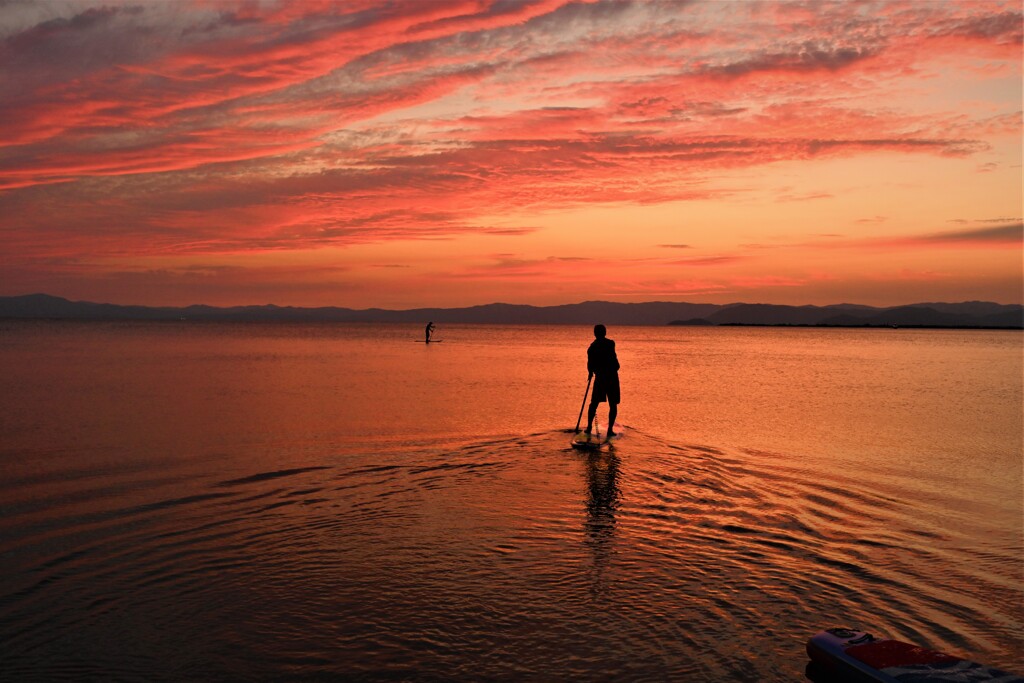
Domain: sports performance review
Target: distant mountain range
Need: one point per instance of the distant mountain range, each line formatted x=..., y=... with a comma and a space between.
x=966, y=314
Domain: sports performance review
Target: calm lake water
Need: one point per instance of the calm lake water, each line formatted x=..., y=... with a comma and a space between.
x=188, y=501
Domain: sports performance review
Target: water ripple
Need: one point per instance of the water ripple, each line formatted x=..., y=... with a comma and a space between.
x=504, y=558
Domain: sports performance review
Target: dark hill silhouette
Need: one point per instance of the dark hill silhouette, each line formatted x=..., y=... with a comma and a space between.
x=1004, y=319
x=927, y=316
x=967, y=314
x=976, y=308
x=652, y=313
x=692, y=321
x=771, y=314
x=906, y=315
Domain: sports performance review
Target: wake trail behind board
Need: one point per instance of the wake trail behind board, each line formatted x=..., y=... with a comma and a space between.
x=591, y=442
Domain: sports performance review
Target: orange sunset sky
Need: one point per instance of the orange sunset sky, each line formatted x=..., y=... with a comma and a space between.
x=409, y=153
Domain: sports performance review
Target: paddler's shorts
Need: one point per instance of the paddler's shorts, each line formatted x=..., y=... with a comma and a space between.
x=606, y=388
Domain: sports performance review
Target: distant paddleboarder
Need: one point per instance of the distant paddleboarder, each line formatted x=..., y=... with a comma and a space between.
x=430, y=328
x=603, y=366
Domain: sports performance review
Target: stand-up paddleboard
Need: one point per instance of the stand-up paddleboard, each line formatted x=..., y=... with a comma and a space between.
x=848, y=655
x=592, y=442
x=432, y=341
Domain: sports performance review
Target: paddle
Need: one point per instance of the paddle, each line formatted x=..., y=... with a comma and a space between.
x=585, y=393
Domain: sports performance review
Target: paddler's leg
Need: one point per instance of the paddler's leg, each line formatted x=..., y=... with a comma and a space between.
x=591, y=413
x=613, y=410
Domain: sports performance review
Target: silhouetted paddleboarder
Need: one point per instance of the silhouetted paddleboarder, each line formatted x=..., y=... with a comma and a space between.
x=429, y=329
x=603, y=366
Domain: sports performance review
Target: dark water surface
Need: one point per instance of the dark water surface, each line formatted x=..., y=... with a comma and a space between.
x=270, y=502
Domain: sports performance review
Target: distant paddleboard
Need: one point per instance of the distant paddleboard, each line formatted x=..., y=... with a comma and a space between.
x=432, y=341
x=592, y=442
x=847, y=655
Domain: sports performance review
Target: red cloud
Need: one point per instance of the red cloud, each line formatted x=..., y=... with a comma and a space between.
x=1008, y=236
x=299, y=125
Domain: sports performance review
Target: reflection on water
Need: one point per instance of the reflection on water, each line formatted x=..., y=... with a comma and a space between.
x=182, y=502
x=602, y=501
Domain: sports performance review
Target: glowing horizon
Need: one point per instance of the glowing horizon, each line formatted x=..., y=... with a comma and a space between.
x=451, y=153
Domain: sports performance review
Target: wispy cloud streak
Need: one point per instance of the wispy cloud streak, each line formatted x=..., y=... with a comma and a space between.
x=220, y=128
